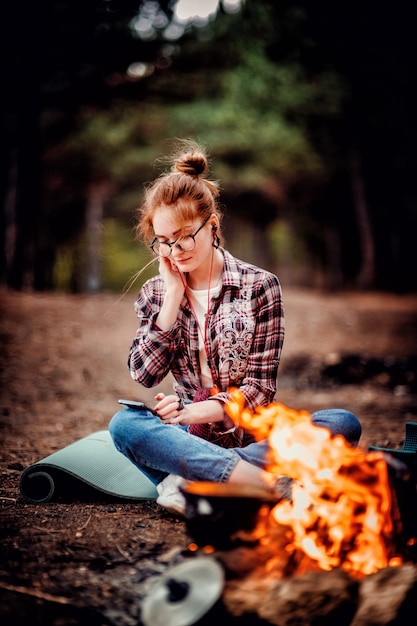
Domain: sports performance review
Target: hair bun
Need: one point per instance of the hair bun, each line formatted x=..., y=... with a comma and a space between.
x=192, y=163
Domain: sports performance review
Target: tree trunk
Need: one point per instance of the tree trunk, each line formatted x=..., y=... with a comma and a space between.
x=23, y=201
x=366, y=276
x=94, y=230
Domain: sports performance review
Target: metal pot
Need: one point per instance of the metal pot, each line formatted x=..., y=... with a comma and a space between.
x=222, y=514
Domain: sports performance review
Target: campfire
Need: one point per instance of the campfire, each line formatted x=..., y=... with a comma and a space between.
x=333, y=550
x=343, y=512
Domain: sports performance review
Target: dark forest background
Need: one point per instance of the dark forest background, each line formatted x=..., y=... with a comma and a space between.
x=307, y=108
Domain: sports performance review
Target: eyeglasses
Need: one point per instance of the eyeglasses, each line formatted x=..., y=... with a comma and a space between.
x=186, y=243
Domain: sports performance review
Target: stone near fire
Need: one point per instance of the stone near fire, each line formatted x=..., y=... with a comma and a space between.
x=388, y=597
x=314, y=599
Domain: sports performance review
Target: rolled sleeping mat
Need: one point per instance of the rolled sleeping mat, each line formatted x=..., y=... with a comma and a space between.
x=88, y=468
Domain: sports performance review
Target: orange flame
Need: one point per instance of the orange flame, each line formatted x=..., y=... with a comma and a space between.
x=340, y=514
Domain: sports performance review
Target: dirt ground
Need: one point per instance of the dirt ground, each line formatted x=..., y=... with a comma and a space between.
x=63, y=363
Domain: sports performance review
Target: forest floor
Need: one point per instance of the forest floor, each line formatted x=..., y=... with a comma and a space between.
x=63, y=363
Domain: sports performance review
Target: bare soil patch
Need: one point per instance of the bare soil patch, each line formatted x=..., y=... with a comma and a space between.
x=63, y=364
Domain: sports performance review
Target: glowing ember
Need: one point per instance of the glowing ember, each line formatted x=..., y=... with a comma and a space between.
x=340, y=514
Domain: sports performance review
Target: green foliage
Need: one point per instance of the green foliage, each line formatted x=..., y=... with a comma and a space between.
x=256, y=125
x=63, y=271
x=119, y=140
x=125, y=262
x=280, y=93
x=255, y=117
x=248, y=146
x=123, y=259
x=288, y=248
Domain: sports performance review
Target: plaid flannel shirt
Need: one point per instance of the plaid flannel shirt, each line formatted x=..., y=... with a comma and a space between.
x=245, y=333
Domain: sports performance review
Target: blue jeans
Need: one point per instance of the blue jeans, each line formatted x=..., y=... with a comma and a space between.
x=159, y=449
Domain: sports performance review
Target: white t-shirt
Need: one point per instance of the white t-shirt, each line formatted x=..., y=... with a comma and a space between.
x=199, y=301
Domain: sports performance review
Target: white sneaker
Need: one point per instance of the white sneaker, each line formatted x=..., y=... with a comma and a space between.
x=170, y=497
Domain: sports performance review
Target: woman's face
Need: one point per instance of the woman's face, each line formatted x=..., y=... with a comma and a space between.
x=168, y=229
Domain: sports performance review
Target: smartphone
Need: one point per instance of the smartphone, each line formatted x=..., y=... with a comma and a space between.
x=136, y=404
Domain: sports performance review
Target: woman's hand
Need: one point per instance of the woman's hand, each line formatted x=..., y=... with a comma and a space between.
x=175, y=287
x=168, y=408
x=171, y=275
x=171, y=410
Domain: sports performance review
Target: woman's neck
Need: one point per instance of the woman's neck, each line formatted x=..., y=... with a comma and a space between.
x=203, y=278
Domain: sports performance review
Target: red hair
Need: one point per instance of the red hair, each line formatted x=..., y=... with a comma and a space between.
x=185, y=189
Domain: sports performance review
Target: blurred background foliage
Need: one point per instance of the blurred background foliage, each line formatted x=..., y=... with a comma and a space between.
x=306, y=108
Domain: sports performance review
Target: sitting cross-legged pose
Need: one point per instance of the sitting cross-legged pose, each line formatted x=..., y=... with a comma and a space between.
x=215, y=323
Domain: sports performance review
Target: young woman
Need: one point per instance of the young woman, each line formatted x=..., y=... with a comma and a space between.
x=215, y=322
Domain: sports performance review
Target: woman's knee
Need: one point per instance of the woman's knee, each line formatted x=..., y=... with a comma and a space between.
x=339, y=422
x=354, y=426
x=131, y=429
x=118, y=427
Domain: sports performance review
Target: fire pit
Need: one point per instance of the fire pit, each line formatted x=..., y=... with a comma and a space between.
x=340, y=551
